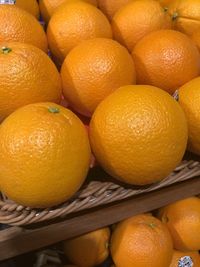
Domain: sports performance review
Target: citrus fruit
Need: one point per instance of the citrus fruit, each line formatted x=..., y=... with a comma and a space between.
x=48, y=7
x=167, y=59
x=189, y=99
x=141, y=241
x=45, y=155
x=27, y=75
x=138, y=134
x=110, y=7
x=30, y=6
x=93, y=70
x=183, y=221
x=72, y=23
x=20, y=26
x=185, y=15
x=137, y=19
x=185, y=258
x=196, y=38
x=88, y=250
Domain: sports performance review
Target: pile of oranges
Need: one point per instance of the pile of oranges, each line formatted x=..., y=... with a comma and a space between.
x=114, y=80
x=97, y=79
x=164, y=238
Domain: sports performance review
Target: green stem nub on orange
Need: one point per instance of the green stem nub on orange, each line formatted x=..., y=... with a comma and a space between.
x=6, y=50
x=152, y=225
x=53, y=110
x=174, y=16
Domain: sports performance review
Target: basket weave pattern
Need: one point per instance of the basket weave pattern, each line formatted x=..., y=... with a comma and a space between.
x=95, y=194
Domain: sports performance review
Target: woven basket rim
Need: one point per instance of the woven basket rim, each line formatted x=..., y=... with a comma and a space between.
x=93, y=194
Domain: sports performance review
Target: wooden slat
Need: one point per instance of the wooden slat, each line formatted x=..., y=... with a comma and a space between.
x=15, y=241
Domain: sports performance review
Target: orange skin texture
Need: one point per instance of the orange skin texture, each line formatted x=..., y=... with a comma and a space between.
x=177, y=255
x=165, y=3
x=88, y=250
x=141, y=241
x=186, y=15
x=73, y=23
x=148, y=17
x=48, y=7
x=20, y=26
x=145, y=125
x=27, y=75
x=110, y=7
x=189, y=99
x=166, y=59
x=45, y=155
x=183, y=221
x=196, y=38
x=93, y=70
x=30, y=6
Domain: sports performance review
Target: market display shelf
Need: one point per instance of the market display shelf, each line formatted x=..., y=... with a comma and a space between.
x=15, y=240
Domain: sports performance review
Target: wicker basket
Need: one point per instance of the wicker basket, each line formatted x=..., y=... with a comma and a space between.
x=95, y=193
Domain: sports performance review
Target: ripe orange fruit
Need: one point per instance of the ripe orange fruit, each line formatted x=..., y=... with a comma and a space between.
x=138, y=134
x=137, y=19
x=27, y=75
x=93, y=70
x=141, y=241
x=110, y=7
x=48, y=7
x=189, y=99
x=88, y=250
x=191, y=257
x=30, y=6
x=45, y=155
x=72, y=23
x=20, y=26
x=183, y=221
x=167, y=59
x=185, y=15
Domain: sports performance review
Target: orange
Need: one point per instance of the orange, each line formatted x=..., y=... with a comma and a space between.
x=72, y=23
x=196, y=38
x=185, y=257
x=138, y=134
x=110, y=7
x=88, y=250
x=93, y=70
x=183, y=221
x=45, y=155
x=27, y=75
x=185, y=15
x=141, y=241
x=137, y=19
x=48, y=7
x=20, y=26
x=167, y=59
x=189, y=99
x=30, y=6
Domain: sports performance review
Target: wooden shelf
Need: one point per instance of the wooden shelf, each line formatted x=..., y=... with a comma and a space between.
x=15, y=241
